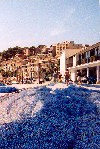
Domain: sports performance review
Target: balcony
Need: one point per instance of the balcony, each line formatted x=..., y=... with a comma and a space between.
x=94, y=58
x=70, y=65
x=84, y=61
x=78, y=62
x=98, y=57
x=88, y=60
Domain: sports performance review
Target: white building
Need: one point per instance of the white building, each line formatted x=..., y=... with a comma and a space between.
x=86, y=60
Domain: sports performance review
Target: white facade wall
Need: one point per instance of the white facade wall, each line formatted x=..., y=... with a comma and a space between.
x=86, y=54
x=95, y=52
x=99, y=51
x=63, y=63
x=87, y=71
x=74, y=60
x=73, y=75
x=98, y=74
x=74, y=69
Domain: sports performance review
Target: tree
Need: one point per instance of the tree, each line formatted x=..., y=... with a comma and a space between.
x=11, y=52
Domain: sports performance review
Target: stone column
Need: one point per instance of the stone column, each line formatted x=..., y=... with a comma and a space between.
x=73, y=75
x=95, y=51
x=87, y=72
x=98, y=74
x=74, y=60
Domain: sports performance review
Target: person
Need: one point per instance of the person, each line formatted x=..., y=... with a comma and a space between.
x=84, y=79
x=55, y=76
x=60, y=78
x=67, y=76
x=79, y=77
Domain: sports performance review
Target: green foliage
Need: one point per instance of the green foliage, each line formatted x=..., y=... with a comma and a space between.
x=11, y=52
x=8, y=73
x=32, y=50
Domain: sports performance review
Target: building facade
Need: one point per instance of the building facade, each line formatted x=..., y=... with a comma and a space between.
x=26, y=70
x=60, y=47
x=87, y=60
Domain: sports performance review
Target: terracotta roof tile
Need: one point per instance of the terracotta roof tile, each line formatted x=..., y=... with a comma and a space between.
x=72, y=52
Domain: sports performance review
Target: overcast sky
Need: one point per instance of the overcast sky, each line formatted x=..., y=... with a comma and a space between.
x=34, y=22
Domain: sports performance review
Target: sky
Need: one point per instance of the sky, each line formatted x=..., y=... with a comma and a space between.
x=33, y=22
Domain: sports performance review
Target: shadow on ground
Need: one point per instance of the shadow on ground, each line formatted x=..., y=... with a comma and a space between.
x=69, y=119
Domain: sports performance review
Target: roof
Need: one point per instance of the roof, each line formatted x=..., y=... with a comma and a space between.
x=72, y=52
x=90, y=47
